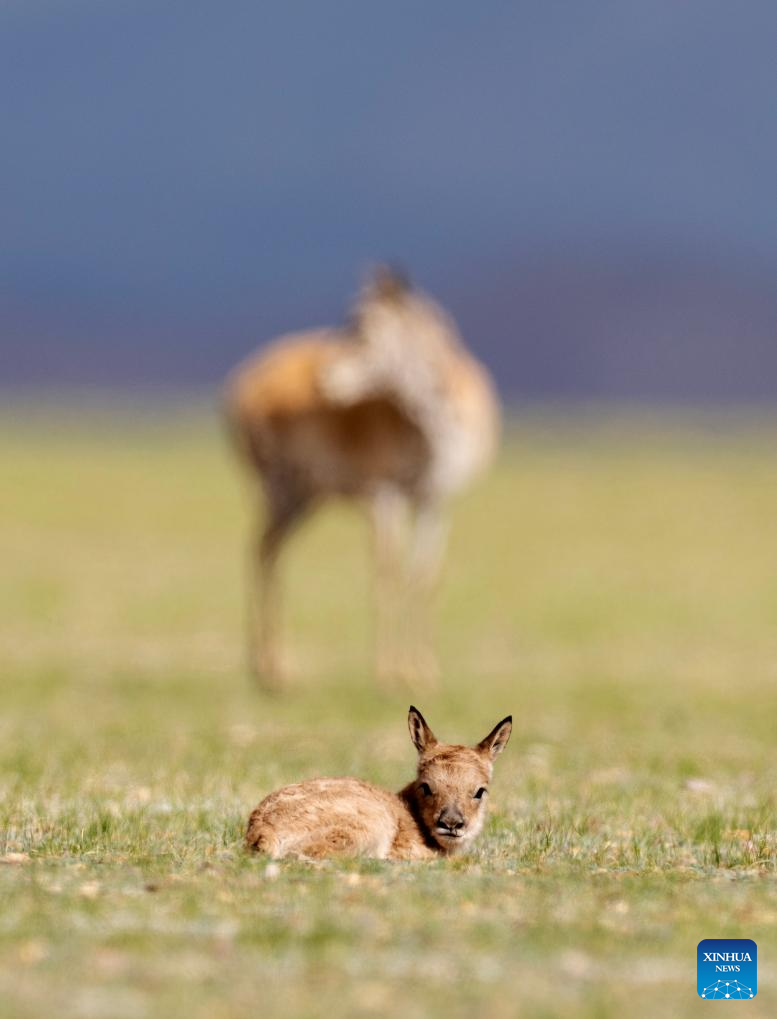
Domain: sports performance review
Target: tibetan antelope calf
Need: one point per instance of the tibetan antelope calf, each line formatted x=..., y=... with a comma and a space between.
x=438, y=814
x=389, y=410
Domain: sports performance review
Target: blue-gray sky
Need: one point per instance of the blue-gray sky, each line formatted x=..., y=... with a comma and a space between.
x=589, y=185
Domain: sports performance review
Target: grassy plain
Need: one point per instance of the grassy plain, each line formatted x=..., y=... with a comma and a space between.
x=613, y=584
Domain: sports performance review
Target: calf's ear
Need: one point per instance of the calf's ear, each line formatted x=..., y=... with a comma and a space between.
x=420, y=733
x=497, y=739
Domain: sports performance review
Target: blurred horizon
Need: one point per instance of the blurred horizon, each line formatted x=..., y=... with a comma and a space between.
x=588, y=188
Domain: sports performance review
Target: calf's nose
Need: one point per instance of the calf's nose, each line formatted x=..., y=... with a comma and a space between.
x=451, y=819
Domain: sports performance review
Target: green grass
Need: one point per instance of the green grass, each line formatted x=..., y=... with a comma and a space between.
x=613, y=584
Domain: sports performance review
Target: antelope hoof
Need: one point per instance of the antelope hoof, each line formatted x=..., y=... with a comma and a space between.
x=422, y=671
x=268, y=673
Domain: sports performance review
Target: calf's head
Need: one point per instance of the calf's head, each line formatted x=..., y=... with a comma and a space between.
x=451, y=787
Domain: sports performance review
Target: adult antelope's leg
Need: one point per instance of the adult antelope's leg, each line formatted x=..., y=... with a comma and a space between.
x=284, y=509
x=389, y=512
x=427, y=552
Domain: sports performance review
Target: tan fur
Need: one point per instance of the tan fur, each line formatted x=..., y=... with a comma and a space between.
x=390, y=410
x=299, y=440
x=440, y=813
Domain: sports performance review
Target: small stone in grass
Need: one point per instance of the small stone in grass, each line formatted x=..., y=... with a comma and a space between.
x=32, y=951
x=15, y=858
x=699, y=785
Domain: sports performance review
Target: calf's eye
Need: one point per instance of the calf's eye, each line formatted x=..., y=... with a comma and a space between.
x=425, y=789
x=480, y=793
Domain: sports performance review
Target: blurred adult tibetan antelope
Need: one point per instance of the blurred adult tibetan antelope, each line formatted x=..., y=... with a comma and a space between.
x=440, y=813
x=390, y=410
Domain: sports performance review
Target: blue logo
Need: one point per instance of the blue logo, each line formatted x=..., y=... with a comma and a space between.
x=727, y=968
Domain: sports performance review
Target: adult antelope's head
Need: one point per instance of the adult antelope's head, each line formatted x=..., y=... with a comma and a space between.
x=402, y=344
x=451, y=788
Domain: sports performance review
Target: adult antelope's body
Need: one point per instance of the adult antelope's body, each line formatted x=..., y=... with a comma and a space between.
x=390, y=410
x=438, y=814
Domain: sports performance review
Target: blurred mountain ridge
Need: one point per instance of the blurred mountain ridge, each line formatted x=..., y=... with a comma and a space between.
x=589, y=187
x=636, y=325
